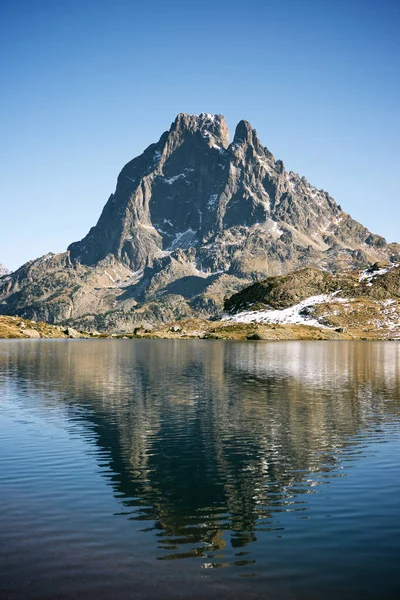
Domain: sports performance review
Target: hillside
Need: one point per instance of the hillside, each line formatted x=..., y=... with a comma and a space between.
x=361, y=303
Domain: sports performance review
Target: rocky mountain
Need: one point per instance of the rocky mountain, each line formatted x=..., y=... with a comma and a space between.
x=193, y=219
x=3, y=270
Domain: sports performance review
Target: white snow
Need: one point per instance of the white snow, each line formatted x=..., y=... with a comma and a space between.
x=46, y=257
x=206, y=118
x=212, y=200
x=220, y=150
x=133, y=278
x=183, y=239
x=368, y=275
x=273, y=228
x=388, y=302
x=171, y=180
x=209, y=117
x=263, y=163
x=294, y=315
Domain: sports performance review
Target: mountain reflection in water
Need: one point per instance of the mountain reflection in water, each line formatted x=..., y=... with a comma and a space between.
x=212, y=448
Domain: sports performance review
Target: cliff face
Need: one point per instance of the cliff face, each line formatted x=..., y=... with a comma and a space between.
x=193, y=219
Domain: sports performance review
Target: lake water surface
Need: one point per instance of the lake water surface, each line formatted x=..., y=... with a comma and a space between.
x=179, y=469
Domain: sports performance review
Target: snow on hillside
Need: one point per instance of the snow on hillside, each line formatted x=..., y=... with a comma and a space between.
x=299, y=314
x=370, y=273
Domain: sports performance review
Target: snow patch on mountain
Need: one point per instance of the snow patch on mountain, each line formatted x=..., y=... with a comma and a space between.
x=299, y=314
x=171, y=180
x=370, y=273
x=183, y=239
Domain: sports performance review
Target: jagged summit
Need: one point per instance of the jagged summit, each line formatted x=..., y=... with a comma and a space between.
x=195, y=217
x=193, y=188
x=209, y=126
x=244, y=133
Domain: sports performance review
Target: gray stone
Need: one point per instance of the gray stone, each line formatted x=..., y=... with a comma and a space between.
x=256, y=336
x=31, y=333
x=72, y=333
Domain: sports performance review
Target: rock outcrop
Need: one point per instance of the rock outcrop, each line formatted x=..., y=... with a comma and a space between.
x=193, y=219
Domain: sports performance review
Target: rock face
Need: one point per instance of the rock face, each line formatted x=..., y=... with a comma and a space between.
x=193, y=219
x=3, y=270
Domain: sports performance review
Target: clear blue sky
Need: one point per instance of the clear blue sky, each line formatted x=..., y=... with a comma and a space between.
x=86, y=85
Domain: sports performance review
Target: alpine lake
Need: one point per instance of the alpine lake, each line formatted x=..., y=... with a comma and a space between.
x=165, y=469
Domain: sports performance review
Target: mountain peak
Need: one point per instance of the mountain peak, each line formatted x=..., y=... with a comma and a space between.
x=208, y=125
x=243, y=132
x=229, y=203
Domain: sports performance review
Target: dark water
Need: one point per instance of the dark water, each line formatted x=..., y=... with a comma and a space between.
x=167, y=469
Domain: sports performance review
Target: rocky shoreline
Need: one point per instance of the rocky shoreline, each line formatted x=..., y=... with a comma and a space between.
x=189, y=329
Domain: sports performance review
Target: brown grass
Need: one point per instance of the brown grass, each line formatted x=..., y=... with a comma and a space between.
x=10, y=327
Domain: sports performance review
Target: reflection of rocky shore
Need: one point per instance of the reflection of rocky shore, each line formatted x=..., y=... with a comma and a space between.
x=206, y=437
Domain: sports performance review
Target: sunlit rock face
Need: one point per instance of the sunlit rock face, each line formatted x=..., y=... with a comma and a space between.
x=231, y=202
x=193, y=219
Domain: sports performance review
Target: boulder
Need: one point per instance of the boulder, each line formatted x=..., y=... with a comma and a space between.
x=72, y=333
x=31, y=333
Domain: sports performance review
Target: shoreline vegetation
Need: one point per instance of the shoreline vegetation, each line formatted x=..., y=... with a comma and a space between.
x=13, y=327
